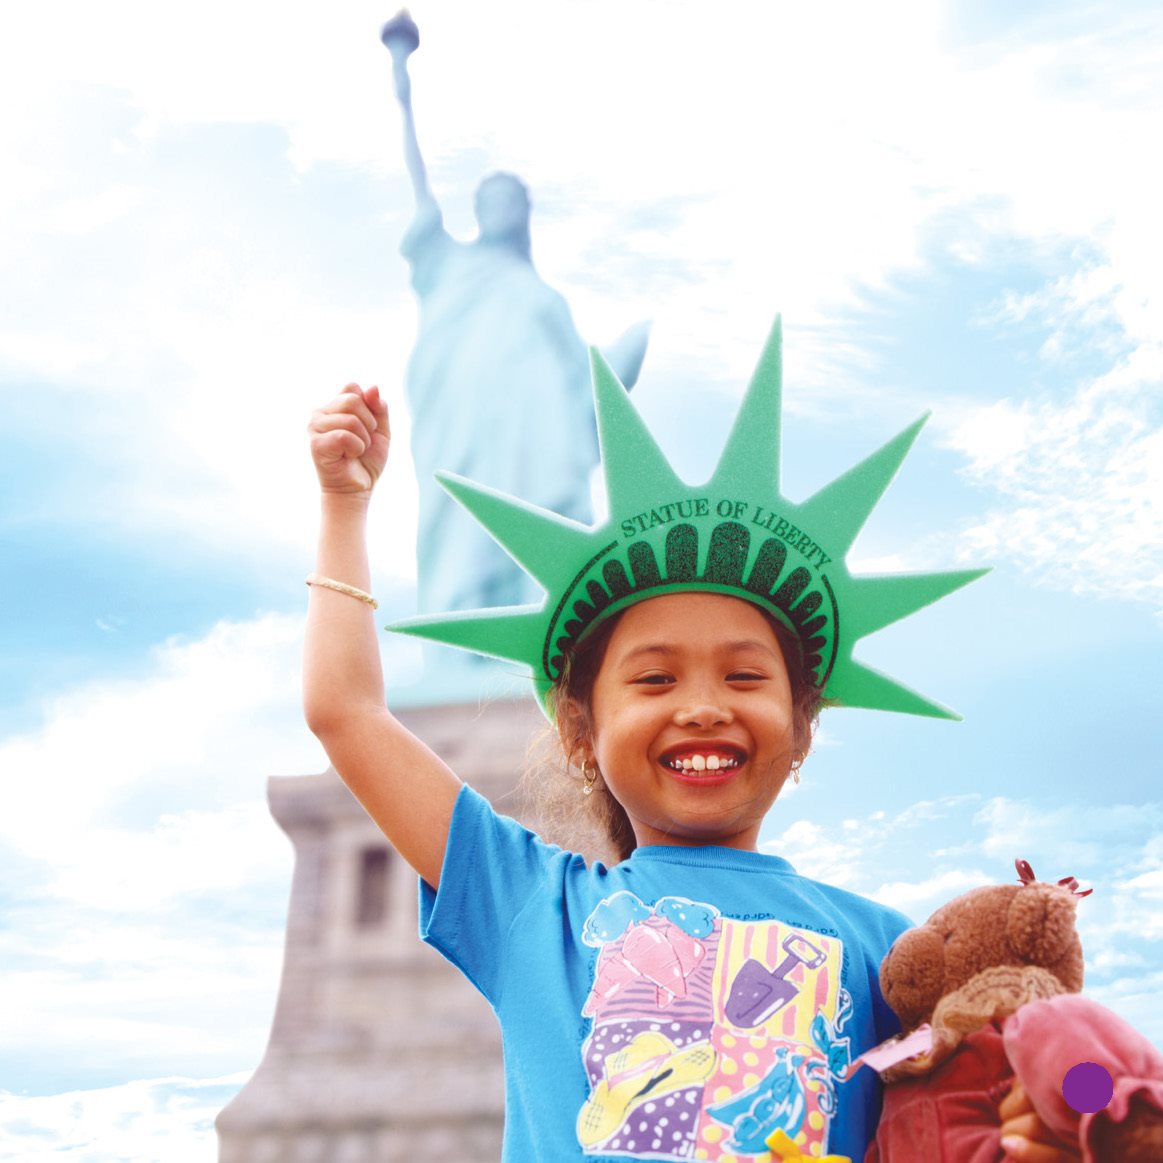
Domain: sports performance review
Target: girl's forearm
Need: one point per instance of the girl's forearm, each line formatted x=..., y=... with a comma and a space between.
x=342, y=673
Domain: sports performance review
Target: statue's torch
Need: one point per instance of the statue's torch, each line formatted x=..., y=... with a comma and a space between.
x=401, y=38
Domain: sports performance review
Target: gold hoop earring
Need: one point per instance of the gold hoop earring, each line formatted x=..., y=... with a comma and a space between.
x=589, y=778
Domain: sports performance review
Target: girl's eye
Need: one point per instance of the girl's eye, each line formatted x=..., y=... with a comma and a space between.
x=654, y=680
x=745, y=676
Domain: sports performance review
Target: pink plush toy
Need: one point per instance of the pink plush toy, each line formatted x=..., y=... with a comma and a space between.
x=996, y=973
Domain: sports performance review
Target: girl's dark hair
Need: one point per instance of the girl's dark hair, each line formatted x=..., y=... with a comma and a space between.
x=564, y=811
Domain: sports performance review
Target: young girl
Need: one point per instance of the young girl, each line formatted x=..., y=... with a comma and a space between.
x=698, y=999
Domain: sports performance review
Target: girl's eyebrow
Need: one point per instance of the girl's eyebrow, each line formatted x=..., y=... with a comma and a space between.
x=648, y=648
x=749, y=644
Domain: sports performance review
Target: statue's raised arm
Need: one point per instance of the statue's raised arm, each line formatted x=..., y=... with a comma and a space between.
x=401, y=38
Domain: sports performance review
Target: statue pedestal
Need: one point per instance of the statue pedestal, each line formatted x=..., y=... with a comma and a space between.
x=379, y=1049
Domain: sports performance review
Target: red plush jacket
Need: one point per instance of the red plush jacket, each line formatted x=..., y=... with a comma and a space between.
x=950, y=1115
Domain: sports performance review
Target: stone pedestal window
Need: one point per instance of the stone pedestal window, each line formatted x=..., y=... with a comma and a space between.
x=371, y=902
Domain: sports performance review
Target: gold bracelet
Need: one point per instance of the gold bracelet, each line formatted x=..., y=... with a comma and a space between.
x=315, y=579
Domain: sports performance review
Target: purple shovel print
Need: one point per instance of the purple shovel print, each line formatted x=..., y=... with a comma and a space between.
x=758, y=992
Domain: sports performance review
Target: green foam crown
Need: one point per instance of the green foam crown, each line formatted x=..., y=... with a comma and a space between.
x=736, y=535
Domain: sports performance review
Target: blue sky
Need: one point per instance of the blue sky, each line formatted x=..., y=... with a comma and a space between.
x=953, y=207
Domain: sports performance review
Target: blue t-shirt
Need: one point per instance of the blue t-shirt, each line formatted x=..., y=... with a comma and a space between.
x=688, y=1003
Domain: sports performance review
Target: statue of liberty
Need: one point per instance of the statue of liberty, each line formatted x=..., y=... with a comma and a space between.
x=498, y=382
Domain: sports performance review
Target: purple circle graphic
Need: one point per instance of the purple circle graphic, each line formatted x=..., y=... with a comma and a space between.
x=1087, y=1087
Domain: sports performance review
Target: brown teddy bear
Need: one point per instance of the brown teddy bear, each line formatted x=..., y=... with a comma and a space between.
x=997, y=973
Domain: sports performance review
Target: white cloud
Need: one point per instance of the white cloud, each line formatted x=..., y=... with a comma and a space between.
x=138, y=1122
x=1080, y=478
x=90, y=997
x=1150, y=884
x=857, y=854
x=189, y=299
x=200, y=731
x=1069, y=838
x=1136, y=999
x=922, y=899
x=188, y=853
x=1111, y=959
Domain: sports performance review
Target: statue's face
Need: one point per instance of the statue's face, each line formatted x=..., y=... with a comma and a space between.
x=502, y=207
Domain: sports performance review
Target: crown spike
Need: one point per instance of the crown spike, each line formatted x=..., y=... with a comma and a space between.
x=880, y=601
x=755, y=436
x=844, y=506
x=634, y=468
x=535, y=538
x=513, y=634
x=861, y=686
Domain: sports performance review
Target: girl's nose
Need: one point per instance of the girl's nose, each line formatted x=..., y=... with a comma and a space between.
x=703, y=712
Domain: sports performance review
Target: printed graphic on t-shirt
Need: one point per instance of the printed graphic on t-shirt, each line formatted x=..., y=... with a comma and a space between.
x=712, y=1038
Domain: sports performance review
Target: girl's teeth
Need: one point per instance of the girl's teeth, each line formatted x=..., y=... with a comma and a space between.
x=703, y=763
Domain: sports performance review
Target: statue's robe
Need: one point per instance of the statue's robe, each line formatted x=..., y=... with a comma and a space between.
x=499, y=390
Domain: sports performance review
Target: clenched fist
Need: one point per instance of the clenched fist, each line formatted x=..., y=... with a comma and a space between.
x=349, y=440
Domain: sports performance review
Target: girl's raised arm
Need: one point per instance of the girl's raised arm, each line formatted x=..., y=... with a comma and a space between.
x=405, y=787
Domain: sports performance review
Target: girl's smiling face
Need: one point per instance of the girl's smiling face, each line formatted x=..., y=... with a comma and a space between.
x=693, y=725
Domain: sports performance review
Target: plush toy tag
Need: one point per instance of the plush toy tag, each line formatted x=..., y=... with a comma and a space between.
x=895, y=1050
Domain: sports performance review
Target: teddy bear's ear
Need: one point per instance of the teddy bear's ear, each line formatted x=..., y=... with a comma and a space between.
x=912, y=976
x=1040, y=923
